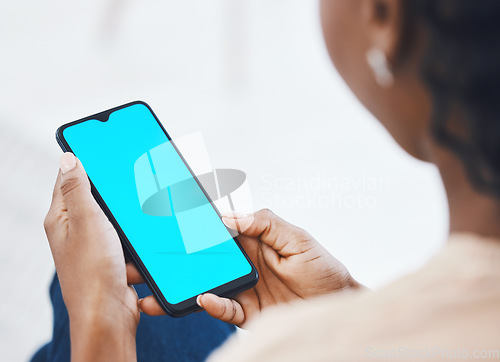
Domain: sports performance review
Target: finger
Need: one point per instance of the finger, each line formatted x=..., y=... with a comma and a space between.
x=272, y=230
x=150, y=306
x=75, y=188
x=53, y=216
x=133, y=275
x=237, y=221
x=252, y=224
x=226, y=310
x=57, y=198
x=271, y=258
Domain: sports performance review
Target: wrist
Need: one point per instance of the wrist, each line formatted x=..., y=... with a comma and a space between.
x=104, y=315
x=103, y=331
x=117, y=307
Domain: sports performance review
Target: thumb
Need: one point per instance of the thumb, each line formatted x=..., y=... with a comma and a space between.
x=224, y=309
x=75, y=187
x=272, y=230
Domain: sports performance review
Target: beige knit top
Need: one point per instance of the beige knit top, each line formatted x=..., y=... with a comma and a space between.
x=448, y=310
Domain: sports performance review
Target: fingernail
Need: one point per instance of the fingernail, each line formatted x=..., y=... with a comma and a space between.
x=68, y=162
x=229, y=222
x=198, y=301
x=238, y=224
x=139, y=302
x=234, y=214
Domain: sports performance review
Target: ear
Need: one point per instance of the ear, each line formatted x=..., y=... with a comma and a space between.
x=385, y=20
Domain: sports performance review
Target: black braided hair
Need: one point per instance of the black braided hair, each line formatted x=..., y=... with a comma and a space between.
x=461, y=68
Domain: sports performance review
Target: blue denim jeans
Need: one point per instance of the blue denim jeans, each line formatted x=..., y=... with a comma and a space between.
x=190, y=338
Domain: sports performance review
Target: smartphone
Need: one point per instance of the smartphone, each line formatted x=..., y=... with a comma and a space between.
x=166, y=221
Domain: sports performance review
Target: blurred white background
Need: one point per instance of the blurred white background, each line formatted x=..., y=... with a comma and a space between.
x=253, y=76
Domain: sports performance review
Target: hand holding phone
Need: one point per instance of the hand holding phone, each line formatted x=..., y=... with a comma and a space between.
x=291, y=264
x=89, y=260
x=163, y=216
x=144, y=186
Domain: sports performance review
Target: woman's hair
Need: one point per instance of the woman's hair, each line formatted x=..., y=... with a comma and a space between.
x=461, y=68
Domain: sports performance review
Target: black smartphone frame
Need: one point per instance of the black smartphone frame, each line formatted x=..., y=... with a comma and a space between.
x=188, y=306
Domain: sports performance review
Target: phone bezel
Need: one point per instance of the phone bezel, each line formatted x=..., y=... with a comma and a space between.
x=188, y=306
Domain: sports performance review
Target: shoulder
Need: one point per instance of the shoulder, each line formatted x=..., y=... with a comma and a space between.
x=449, y=304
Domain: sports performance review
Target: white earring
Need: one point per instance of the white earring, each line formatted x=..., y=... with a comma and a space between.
x=377, y=60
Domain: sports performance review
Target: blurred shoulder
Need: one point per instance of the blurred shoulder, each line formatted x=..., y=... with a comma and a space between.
x=451, y=304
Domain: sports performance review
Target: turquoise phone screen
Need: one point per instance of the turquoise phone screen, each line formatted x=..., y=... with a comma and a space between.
x=153, y=196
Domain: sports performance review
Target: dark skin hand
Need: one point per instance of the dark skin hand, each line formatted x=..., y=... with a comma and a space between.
x=104, y=311
x=291, y=265
x=88, y=256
